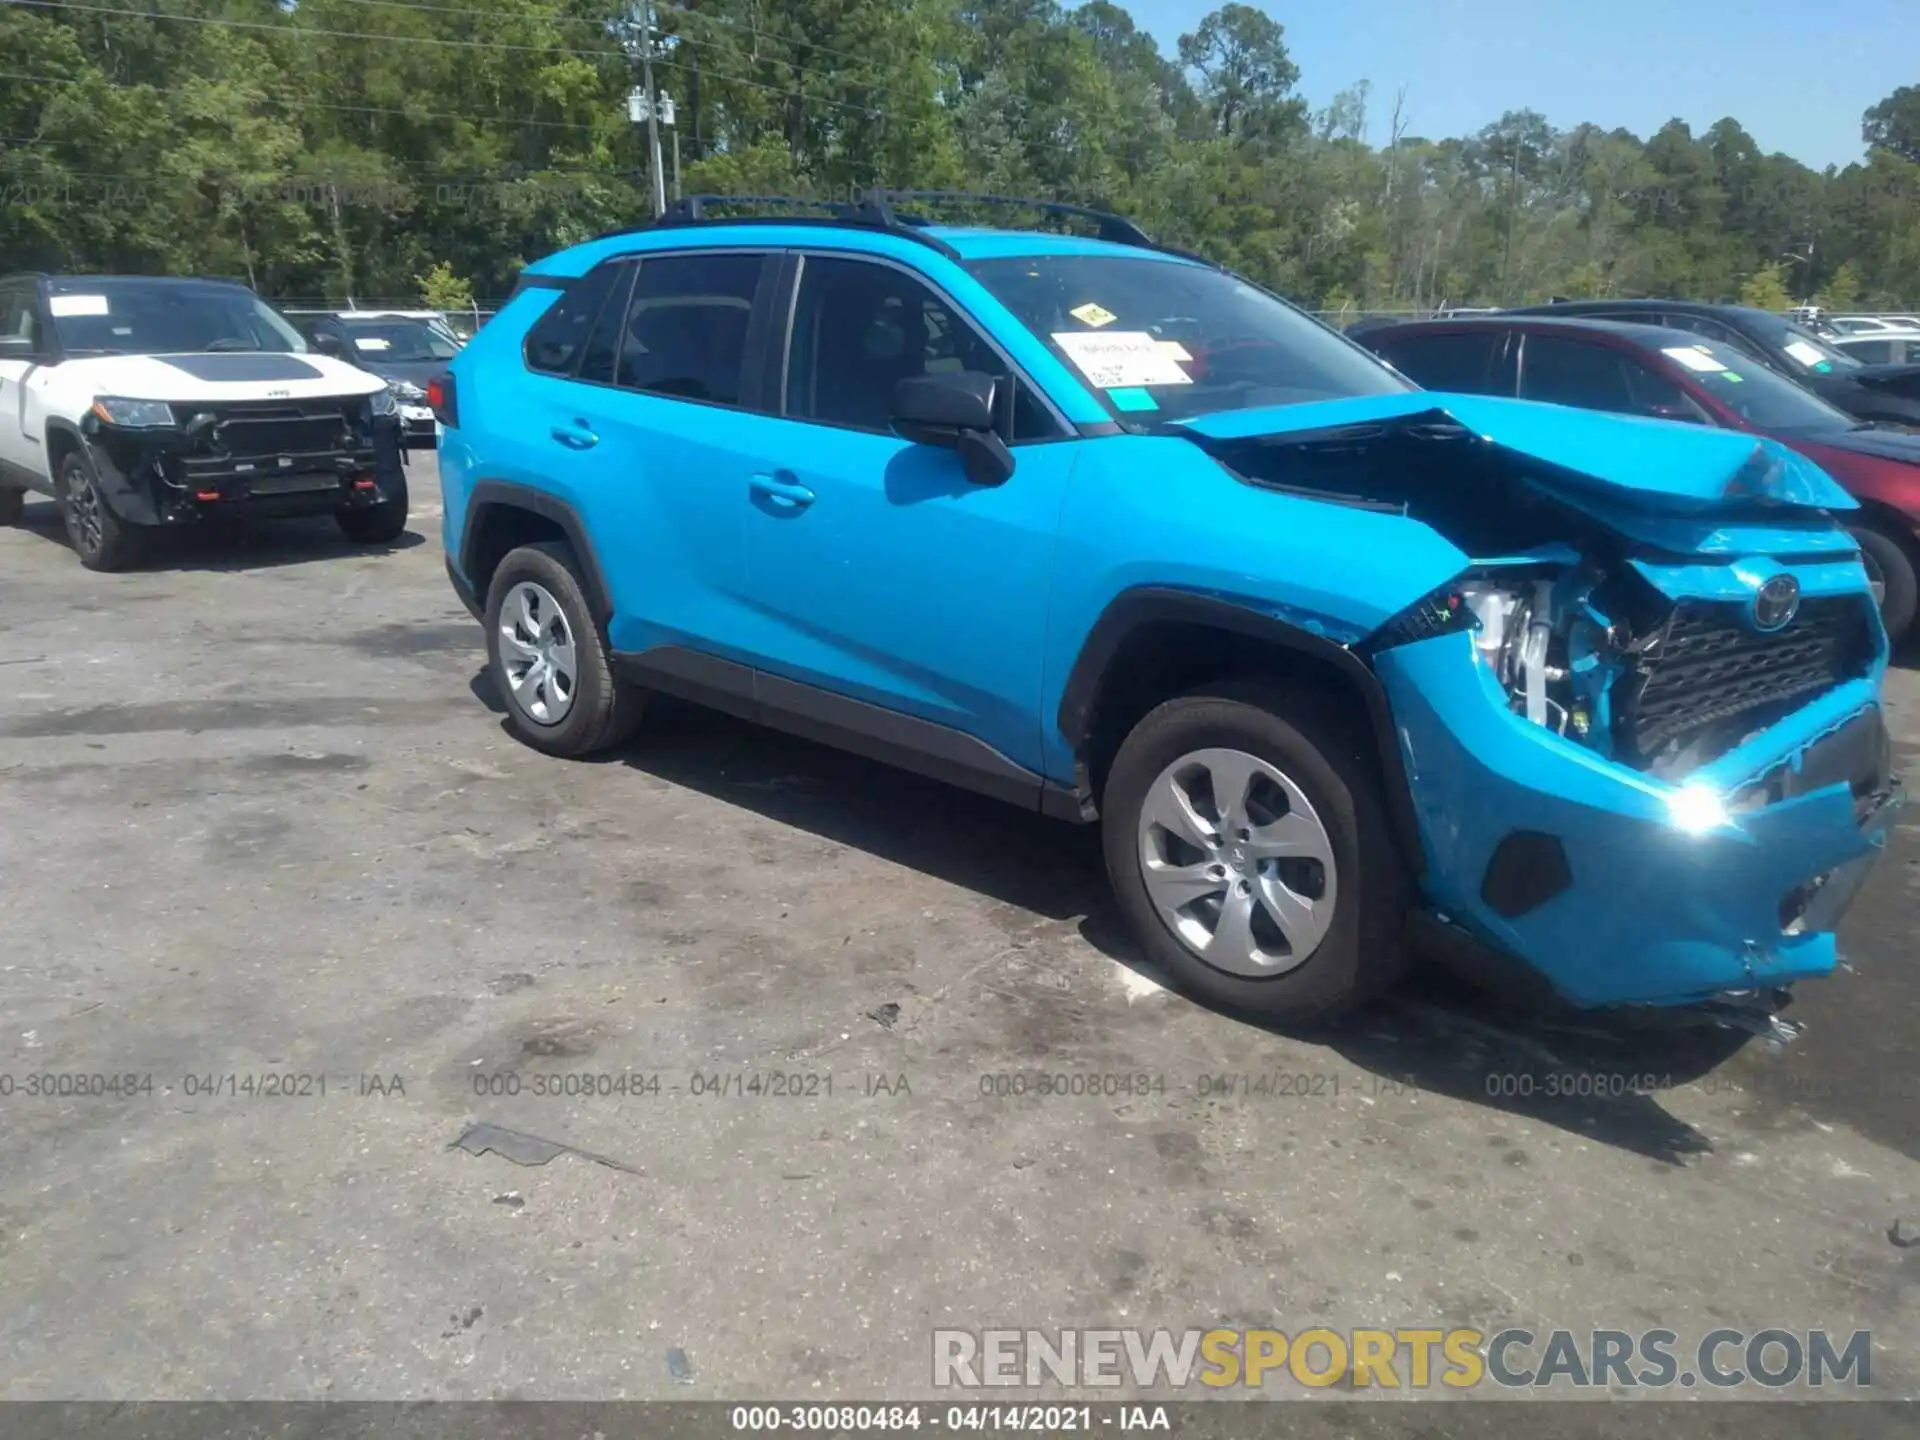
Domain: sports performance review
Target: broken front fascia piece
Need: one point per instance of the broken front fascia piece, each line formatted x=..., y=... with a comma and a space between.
x=524, y=1149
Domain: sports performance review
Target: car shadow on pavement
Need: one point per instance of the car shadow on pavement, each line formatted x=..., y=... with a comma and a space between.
x=1431, y=1033
x=1591, y=1077
x=231, y=546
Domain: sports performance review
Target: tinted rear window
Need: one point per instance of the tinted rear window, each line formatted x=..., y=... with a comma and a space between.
x=557, y=338
x=1462, y=363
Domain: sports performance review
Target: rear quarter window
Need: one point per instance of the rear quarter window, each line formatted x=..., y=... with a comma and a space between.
x=555, y=342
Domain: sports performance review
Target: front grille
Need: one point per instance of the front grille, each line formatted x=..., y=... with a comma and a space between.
x=1709, y=674
x=283, y=427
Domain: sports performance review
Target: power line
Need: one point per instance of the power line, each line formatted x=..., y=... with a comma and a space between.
x=446, y=43
x=470, y=13
x=309, y=182
x=1030, y=145
x=322, y=104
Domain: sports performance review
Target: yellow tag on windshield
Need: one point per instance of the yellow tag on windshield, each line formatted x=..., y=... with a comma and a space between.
x=1092, y=314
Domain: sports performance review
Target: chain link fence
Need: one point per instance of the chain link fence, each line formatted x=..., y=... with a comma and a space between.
x=462, y=323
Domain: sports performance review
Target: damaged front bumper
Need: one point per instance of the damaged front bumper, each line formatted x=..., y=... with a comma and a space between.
x=243, y=463
x=1619, y=888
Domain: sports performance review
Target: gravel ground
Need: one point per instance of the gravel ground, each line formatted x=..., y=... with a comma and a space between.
x=259, y=815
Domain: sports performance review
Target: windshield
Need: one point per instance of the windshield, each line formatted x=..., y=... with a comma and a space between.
x=1162, y=340
x=1762, y=397
x=399, y=341
x=157, y=317
x=1806, y=351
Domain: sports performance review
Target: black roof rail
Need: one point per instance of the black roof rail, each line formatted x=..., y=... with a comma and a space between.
x=869, y=212
x=1116, y=229
x=879, y=209
x=692, y=209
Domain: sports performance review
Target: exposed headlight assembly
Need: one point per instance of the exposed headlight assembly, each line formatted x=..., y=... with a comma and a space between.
x=406, y=390
x=1514, y=637
x=383, y=401
x=132, y=414
x=1527, y=645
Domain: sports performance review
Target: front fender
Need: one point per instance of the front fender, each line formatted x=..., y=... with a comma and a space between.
x=1153, y=513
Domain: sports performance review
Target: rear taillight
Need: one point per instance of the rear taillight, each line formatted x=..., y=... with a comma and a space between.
x=440, y=397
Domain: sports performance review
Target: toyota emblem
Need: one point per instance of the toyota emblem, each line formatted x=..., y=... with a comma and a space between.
x=1776, y=603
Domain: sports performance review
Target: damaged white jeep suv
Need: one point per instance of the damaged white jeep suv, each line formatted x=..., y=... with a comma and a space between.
x=142, y=403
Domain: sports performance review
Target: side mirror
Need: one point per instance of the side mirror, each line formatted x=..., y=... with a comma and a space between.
x=328, y=344
x=955, y=411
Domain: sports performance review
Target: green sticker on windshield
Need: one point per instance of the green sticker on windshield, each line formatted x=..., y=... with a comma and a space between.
x=1132, y=399
x=1736, y=379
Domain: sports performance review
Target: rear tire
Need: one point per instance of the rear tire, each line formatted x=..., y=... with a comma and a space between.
x=1313, y=789
x=101, y=539
x=377, y=524
x=13, y=505
x=1890, y=567
x=549, y=659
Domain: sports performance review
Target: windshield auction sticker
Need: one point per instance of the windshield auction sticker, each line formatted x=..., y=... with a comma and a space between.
x=1694, y=359
x=1804, y=353
x=1092, y=314
x=62, y=305
x=1121, y=359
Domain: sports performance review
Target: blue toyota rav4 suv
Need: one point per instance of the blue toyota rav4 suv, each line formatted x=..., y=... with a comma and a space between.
x=1590, y=704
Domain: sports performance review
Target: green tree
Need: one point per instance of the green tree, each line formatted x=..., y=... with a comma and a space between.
x=1894, y=124
x=340, y=148
x=1241, y=56
x=1842, y=290
x=1766, y=289
x=441, y=289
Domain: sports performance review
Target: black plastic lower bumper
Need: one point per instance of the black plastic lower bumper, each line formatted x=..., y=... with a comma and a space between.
x=154, y=480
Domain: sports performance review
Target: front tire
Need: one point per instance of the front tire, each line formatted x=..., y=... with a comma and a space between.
x=1249, y=849
x=549, y=660
x=101, y=539
x=380, y=524
x=1890, y=569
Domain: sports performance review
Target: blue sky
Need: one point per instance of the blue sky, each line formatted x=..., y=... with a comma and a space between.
x=1796, y=73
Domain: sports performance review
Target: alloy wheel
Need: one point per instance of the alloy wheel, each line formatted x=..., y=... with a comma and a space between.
x=83, y=513
x=537, y=654
x=1237, y=862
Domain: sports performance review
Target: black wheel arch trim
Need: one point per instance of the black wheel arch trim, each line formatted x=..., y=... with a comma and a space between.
x=59, y=425
x=491, y=495
x=1146, y=605
x=128, y=502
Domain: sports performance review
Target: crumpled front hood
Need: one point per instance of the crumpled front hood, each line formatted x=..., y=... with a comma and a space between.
x=1660, y=466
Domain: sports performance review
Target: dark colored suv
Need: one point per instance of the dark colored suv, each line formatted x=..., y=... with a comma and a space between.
x=1886, y=394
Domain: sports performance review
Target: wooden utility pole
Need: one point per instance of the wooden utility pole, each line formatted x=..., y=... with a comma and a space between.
x=654, y=167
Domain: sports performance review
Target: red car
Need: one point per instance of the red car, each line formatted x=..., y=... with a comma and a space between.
x=1680, y=375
